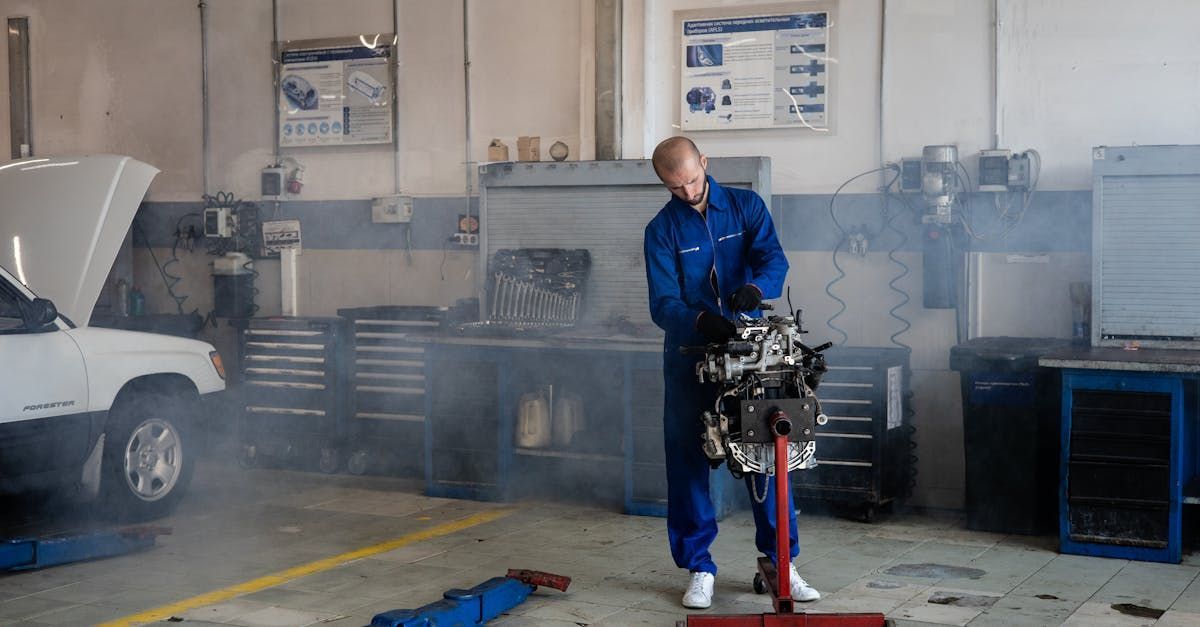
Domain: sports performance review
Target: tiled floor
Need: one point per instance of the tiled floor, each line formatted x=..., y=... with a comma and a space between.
x=240, y=525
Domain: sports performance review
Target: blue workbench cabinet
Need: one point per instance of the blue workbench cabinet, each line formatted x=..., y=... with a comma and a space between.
x=475, y=393
x=1127, y=450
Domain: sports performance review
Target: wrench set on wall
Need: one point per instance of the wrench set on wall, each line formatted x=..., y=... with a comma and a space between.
x=516, y=300
x=533, y=290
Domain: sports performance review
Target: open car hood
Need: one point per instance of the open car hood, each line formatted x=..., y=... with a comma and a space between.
x=62, y=221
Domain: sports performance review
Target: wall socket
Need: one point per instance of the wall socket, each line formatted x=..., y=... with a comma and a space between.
x=466, y=239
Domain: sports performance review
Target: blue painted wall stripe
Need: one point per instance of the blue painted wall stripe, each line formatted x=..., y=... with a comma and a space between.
x=1054, y=222
x=340, y=224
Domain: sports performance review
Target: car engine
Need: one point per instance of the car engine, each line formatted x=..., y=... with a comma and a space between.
x=767, y=380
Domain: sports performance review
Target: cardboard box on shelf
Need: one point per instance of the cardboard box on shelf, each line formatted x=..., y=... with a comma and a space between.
x=497, y=151
x=529, y=148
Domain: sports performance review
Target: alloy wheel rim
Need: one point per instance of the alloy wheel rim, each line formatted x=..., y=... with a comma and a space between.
x=153, y=459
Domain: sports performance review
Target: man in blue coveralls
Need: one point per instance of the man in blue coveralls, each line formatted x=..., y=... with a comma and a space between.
x=711, y=252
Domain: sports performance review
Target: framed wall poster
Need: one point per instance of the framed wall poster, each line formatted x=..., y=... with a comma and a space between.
x=756, y=67
x=336, y=92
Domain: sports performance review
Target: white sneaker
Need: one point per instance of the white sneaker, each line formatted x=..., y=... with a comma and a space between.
x=801, y=591
x=699, y=592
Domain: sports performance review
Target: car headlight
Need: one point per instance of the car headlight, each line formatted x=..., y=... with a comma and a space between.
x=218, y=364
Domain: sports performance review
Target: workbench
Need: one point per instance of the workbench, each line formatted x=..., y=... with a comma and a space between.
x=474, y=389
x=1128, y=450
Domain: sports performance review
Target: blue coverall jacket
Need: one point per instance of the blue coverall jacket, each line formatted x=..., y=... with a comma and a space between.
x=693, y=263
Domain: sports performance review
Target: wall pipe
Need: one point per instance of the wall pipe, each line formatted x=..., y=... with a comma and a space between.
x=883, y=72
x=204, y=123
x=20, y=103
x=396, y=120
x=996, y=123
x=467, y=101
x=608, y=79
x=275, y=59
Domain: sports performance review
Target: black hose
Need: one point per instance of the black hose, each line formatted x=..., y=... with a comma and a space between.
x=836, y=249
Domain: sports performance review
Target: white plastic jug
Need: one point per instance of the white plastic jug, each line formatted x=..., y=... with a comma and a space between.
x=533, y=421
x=568, y=418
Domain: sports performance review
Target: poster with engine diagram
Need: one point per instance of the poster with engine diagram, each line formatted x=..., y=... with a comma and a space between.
x=335, y=92
x=764, y=70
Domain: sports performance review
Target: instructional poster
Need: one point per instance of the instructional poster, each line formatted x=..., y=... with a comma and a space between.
x=335, y=95
x=757, y=71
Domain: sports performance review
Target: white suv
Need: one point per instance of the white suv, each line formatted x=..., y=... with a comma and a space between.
x=110, y=411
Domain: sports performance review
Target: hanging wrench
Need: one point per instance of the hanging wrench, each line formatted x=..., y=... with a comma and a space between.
x=496, y=294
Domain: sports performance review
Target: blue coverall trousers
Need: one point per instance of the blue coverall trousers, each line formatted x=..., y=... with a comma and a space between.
x=691, y=519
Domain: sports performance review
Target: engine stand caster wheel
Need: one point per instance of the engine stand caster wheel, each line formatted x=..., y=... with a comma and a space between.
x=760, y=586
x=249, y=457
x=358, y=462
x=329, y=461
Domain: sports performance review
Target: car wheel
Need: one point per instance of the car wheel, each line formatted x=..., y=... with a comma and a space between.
x=148, y=457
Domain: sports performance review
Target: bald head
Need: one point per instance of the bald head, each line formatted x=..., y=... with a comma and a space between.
x=681, y=168
x=673, y=154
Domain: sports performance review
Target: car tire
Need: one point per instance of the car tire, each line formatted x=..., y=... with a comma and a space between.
x=149, y=456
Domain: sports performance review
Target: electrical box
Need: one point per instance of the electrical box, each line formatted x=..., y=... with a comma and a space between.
x=273, y=180
x=994, y=170
x=1018, y=172
x=910, y=175
x=220, y=222
x=393, y=209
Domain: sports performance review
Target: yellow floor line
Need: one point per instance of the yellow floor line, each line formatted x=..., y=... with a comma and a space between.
x=284, y=576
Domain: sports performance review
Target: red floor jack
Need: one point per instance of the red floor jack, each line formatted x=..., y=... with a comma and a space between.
x=777, y=580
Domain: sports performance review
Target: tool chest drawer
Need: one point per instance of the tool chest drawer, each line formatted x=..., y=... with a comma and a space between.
x=387, y=424
x=864, y=452
x=294, y=397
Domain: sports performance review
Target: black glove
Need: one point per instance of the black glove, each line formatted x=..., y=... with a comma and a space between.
x=746, y=298
x=716, y=329
x=817, y=370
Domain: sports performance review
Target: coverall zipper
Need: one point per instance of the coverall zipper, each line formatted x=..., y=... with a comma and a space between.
x=715, y=275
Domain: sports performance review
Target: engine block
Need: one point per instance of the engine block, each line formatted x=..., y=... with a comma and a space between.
x=764, y=371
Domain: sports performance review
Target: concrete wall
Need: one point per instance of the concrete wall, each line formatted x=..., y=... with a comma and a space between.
x=123, y=76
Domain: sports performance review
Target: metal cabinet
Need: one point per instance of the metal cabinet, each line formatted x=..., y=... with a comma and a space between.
x=294, y=390
x=386, y=426
x=479, y=445
x=1125, y=446
x=475, y=447
x=466, y=423
x=864, y=452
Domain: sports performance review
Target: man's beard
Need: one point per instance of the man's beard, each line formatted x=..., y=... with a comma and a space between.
x=703, y=193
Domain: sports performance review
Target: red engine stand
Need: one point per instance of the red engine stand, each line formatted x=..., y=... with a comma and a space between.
x=778, y=579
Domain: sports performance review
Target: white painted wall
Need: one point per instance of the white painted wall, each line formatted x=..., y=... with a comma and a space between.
x=802, y=161
x=121, y=81
x=938, y=82
x=1081, y=73
x=1071, y=74
x=124, y=76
